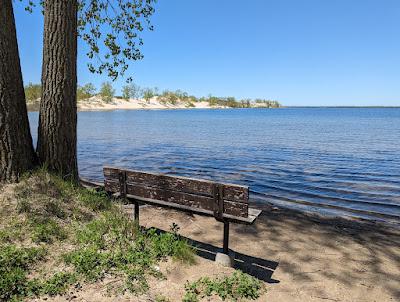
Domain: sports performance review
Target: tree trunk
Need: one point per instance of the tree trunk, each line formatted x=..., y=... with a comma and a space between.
x=58, y=117
x=16, y=149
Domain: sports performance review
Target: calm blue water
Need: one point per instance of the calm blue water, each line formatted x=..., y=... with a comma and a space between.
x=340, y=161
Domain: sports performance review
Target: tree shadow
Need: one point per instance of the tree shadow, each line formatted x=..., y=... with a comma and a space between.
x=259, y=268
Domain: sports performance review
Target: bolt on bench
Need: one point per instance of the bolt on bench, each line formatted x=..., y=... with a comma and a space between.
x=226, y=202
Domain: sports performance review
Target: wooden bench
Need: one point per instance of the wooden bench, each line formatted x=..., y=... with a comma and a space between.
x=226, y=202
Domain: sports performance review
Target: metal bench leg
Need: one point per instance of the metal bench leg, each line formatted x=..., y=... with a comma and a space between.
x=225, y=258
x=226, y=238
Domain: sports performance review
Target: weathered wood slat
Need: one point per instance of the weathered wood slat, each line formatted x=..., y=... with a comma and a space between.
x=182, y=198
x=253, y=213
x=231, y=192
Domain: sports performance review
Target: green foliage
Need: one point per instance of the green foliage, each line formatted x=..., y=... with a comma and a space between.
x=113, y=244
x=46, y=230
x=89, y=262
x=85, y=92
x=33, y=92
x=148, y=93
x=57, y=284
x=231, y=102
x=105, y=242
x=94, y=200
x=169, y=97
x=267, y=103
x=131, y=91
x=234, y=288
x=14, y=267
x=107, y=92
x=115, y=26
x=111, y=30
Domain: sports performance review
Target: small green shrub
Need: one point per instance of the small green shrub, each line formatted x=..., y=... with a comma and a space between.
x=114, y=244
x=107, y=92
x=148, y=93
x=131, y=91
x=45, y=229
x=12, y=232
x=57, y=284
x=33, y=91
x=235, y=287
x=89, y=262
x=96, y=201
x=54, y=208
x=14, y=267
x=85, y=92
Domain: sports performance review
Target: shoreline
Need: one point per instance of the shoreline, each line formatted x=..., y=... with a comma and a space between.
x=95, y=103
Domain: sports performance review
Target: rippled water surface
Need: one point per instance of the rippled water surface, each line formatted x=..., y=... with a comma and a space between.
x=342, y=161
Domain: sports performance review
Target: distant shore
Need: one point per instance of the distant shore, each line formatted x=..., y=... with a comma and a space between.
x=96, y=103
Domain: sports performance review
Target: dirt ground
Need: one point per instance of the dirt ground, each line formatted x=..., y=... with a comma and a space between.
x=299, y=257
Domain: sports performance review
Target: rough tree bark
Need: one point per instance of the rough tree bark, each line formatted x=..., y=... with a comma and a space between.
x=58, y=117
x=16, y=149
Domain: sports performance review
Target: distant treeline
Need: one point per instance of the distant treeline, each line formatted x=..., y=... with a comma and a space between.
x=133, y=91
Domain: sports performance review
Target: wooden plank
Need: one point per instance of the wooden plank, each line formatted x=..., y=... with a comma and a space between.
x=231, y=192
x=171, y=183
x=190, y=200
x=253, y=213
x=235, y=208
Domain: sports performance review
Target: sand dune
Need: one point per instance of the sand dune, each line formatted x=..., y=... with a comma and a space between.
x=97, y=104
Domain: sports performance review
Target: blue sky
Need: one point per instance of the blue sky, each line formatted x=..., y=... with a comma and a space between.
x=300, y=52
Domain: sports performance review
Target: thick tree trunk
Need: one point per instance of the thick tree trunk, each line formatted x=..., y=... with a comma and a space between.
x=16, y=148
x=58, y=117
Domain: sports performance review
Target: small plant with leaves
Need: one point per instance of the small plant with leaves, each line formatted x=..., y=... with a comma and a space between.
x=236, y=287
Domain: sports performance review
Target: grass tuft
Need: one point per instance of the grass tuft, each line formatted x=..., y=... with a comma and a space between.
x=82, y=229
x=114, y=245
x=236, y=287
x=15, y=264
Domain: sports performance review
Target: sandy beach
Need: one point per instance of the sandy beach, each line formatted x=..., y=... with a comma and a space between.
x=300, y=257
x=97, y=104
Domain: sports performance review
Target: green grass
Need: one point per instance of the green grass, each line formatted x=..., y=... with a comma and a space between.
x=15, y=264
x=114, y=245
x=50, y=212
x=236, y=287
x=45, y=229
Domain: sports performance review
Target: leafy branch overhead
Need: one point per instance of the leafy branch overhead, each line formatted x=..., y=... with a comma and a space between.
x=111, y=29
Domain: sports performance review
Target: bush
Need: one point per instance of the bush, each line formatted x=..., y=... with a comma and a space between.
x=113, y=244
x=85, y=92
x=46, y=230
x=57, y=284
x=148, y=94
x=14, y=267
x=33, y=92
x=107, y=92
x=131, y=91
x=235, y=287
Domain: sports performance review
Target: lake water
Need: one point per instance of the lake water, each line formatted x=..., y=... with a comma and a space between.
x=341, y=161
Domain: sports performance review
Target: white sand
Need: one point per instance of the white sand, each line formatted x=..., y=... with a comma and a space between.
x=97, y=104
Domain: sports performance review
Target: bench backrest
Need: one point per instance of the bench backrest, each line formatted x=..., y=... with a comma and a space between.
x=221, y=198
